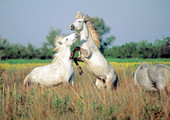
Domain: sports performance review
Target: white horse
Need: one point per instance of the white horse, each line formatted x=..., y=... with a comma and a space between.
x=94, y=61
x=153, y=78
x=60, y=70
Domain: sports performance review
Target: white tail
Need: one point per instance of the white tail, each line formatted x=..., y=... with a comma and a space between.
x=26, y=80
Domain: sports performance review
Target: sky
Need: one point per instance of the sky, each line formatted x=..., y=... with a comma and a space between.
x=29, y=21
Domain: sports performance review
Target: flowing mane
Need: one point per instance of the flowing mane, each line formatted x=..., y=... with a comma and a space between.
x=56, y=49
x=57, y=41
x=91, y=28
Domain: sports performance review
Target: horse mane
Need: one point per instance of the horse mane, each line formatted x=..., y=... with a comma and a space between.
x=57, y=43
x=90, y=27
x=56, y=49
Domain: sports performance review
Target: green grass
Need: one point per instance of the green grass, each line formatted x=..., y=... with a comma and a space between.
x=21, y=61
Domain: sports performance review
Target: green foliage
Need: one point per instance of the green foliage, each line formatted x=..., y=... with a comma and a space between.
x=4, y=46
x=31, y=51
x=51, y=37
x=142, y=49
x=45, y=52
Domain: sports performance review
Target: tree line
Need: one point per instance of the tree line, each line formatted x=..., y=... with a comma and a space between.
x=142, y=49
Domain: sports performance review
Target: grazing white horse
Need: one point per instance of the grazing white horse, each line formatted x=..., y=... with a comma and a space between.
x=153, y=78
x=94, y=61
x=60, y=70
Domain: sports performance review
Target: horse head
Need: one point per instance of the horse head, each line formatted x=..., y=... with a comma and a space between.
x=85, y=25
x=77, y=25
x=63, y=42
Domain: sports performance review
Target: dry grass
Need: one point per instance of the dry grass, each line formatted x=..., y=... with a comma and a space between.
x=83, y=101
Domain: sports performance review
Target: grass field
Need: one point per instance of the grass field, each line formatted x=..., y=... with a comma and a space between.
x=21, y=61
x=83, y=101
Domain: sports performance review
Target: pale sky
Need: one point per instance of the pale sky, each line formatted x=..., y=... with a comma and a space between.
x=29, y=21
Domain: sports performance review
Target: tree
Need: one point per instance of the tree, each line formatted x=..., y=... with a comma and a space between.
x=22, y=51
x=31, y=51
x=128, y=50
x=166, y=48
x=157, y=48
x=103, y=29
x=4, y=48
x=46, y=52
x=142, y=49
x=51, y=37
x=1, y=48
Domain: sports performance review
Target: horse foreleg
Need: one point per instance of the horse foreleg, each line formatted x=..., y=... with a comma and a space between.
x=78, y=66
x=73, y=52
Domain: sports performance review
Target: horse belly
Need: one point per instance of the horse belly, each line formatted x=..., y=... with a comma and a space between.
x=97, y=67
x=45, y=79
x=47, y=76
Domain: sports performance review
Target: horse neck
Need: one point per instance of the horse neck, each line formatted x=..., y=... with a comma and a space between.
x=85, y=35
x=63, y=55
x=84, y=32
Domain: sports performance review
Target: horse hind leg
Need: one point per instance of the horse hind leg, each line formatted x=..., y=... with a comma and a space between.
x=99, y=84
x=71, y=80
x=115, y=82
x=167, y=90
x=109, y=83
x=112, y=82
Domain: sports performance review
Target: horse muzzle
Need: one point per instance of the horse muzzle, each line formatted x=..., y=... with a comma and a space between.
x=72, y=27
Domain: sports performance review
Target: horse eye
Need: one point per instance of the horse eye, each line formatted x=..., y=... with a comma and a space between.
x=60, y=43
x=66, y=39
x=79, y=21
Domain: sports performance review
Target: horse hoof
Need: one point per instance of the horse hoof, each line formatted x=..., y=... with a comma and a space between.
x=70, y=58
x=81, y=72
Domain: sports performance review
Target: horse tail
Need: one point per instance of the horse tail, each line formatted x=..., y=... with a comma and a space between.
x=135, y=79
x=26, y=80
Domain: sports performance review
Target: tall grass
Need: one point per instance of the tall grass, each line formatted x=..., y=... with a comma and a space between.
x=82, y=101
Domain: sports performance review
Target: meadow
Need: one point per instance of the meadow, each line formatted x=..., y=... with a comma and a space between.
x=82, y=101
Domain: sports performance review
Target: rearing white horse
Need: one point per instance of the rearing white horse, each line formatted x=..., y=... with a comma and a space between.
x=94, y=61
x=60, y=70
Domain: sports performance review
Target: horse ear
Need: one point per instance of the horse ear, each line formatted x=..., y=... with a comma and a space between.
x=85, y=19
x=58, y=40
x=55, y=50
x=79, y=15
